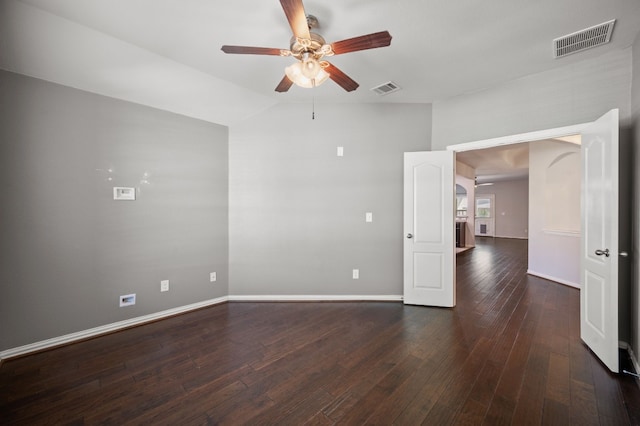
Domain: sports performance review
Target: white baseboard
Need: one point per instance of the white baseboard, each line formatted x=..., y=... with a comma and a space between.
x=120, y=325
x=104, y=329
x=550, y=278
x=316, y=298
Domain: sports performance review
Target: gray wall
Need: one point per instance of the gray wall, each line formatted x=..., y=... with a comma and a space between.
x=512, y=207
x=297, y=211
x=67, y=249
x=635, y=244
x=574, y=94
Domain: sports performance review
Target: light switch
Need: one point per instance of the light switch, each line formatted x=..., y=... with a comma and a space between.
x=356, y=274
x=368, y=217
x=340, y=151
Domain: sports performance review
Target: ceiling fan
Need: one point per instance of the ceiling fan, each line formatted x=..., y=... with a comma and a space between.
x=310, y=48
x=476, y=184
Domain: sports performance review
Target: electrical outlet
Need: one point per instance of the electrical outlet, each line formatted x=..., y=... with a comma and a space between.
x=356, y=274
x=213, y=277
x=164, y=285
x=340, y=151
x=368, y=217
x=127, y=300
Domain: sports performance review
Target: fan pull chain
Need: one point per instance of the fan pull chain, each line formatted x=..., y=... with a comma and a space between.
x=313, y=107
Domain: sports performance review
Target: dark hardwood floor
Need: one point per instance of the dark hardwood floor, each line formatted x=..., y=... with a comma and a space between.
x=509, y=353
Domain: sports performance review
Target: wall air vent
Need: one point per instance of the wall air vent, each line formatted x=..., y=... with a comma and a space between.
x=386, y=88
x=583, y=39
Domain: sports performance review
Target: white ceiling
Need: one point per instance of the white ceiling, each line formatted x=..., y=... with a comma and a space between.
x=166, y=53
x=506, y=162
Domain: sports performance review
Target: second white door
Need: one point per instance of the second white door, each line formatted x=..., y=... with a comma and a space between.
x=429, y=240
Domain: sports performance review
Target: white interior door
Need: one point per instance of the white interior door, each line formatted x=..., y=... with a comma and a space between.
x=484, y=215
x=429, y=228
x=599, y=258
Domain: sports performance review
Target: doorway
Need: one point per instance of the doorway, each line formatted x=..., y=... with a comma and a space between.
x=429, y=182
x=531, y=191
x=599, y=226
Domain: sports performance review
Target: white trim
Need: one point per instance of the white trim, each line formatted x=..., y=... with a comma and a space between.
x=550, y=278
x=103, y=329
x=564, y=233
x=316, y=298
x=558, y=132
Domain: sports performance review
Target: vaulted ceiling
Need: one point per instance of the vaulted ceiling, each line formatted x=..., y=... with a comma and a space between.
x=166, y=53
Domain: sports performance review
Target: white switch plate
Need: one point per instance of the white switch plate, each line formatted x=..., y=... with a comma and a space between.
x=356, y=274
x=340, y=151
x=164, y=285
x=213, y=277
x=127, y=300
x=368, y=217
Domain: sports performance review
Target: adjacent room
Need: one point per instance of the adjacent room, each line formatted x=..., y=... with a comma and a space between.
x=331, y=212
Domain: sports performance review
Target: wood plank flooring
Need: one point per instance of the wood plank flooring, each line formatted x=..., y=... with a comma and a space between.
x=509, y=353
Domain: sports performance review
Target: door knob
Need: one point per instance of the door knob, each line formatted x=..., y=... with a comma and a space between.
x=602, y=252
x=409, y=236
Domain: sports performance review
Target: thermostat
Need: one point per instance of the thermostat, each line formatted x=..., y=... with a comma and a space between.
x=122, y=193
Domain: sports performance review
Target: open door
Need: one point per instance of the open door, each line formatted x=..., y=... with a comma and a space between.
x=429, y=239
x=599, y=256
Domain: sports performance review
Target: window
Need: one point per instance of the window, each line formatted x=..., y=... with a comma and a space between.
x=461, y=208
x=483, y=207
x=461, y=201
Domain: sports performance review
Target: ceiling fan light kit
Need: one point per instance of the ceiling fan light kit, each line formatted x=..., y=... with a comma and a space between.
x=307, y=74
x=309, y=49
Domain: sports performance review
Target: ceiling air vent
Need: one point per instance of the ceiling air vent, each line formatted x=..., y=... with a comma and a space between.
x=583, y=39
x=386, y=88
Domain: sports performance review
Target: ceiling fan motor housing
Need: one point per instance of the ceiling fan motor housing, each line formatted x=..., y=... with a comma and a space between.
x=300, y=46
x=312, y=22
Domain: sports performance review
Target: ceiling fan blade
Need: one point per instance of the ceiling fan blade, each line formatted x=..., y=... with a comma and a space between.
x=284, y=85
x=343, y=80
x=296, y=17
x=249, y=50
x=369, y=41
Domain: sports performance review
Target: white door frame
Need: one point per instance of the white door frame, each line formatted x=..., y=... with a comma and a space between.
x=520, y=138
